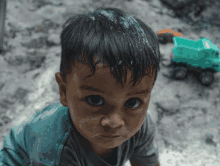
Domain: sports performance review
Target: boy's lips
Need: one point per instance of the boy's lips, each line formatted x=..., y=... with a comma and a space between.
x=111, y=136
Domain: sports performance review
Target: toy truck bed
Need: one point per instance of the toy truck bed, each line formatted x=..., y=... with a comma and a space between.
x=196, y=53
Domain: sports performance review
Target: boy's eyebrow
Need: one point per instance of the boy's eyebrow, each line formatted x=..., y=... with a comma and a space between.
x=93, y=89
x=90, y=88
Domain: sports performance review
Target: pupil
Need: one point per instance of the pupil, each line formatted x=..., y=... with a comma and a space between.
x=95, y=99
x=131, y=102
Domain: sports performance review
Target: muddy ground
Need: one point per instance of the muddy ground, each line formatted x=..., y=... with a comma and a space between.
x=187, y=113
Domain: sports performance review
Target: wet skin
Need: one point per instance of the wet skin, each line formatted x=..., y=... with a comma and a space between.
x=114, y=111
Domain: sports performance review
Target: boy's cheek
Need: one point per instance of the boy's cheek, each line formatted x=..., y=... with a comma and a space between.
x=89, y=125
x=147, y=98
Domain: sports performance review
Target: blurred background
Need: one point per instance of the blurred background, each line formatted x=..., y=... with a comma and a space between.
x=186, y=112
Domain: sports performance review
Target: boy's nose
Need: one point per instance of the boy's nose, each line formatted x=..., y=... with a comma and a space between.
x=113, y=121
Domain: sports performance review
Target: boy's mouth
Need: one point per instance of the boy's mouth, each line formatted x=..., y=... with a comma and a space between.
x=111, y=136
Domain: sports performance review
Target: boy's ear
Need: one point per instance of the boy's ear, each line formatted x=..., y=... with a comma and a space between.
x=62, y=88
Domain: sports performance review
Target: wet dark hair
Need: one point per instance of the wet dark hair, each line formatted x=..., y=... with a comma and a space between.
x=115, y=38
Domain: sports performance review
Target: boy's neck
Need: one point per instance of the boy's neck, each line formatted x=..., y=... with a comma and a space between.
x=110, y=157
x=101, y=151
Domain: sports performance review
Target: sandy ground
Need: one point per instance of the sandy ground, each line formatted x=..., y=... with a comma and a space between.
x=187, y=113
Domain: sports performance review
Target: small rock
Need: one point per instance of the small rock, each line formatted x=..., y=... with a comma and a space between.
x=16, y=57
x=171, y=13
x=2, y=84
x=5, y=119
x=170, y=106
x=164, y=10
x=54, y=13
x=21, y=16
x=176, y=3
x=46, y=26
x=209, y=139
x=20, y=94
x=199, y=104
x=54, y=38
x=26, y=32
x=1, y=124
x=34, y=5
x=209, y=136
x=54, y=51
x=212, y=16
x=17, y=40
x=36, y=59
x=56, y=2
x=4, y=104
x=30, y=5
x=156, y=4
x=36, y=43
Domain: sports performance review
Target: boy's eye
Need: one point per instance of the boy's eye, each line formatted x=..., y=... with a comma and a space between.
x=133, y=103
x=95, y=100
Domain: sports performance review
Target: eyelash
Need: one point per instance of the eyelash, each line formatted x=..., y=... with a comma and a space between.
x=86, y=99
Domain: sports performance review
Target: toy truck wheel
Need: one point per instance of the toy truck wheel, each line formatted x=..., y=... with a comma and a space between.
x=206, y=78
x=180, y=72
x=162, y=39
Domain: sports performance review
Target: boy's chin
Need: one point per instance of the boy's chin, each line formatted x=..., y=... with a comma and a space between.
x=101, y=147
x=107, y=142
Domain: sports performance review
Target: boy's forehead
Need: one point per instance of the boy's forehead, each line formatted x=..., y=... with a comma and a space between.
x=103, y=76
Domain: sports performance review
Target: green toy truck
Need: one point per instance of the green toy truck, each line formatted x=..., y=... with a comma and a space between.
x=200, y=55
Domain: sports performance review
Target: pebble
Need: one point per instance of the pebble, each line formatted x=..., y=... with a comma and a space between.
x=170, y=106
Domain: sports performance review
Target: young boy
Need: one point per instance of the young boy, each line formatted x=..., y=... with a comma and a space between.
x=109, y=64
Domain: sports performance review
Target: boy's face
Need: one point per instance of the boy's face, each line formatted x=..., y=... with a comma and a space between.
x=112, y=111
